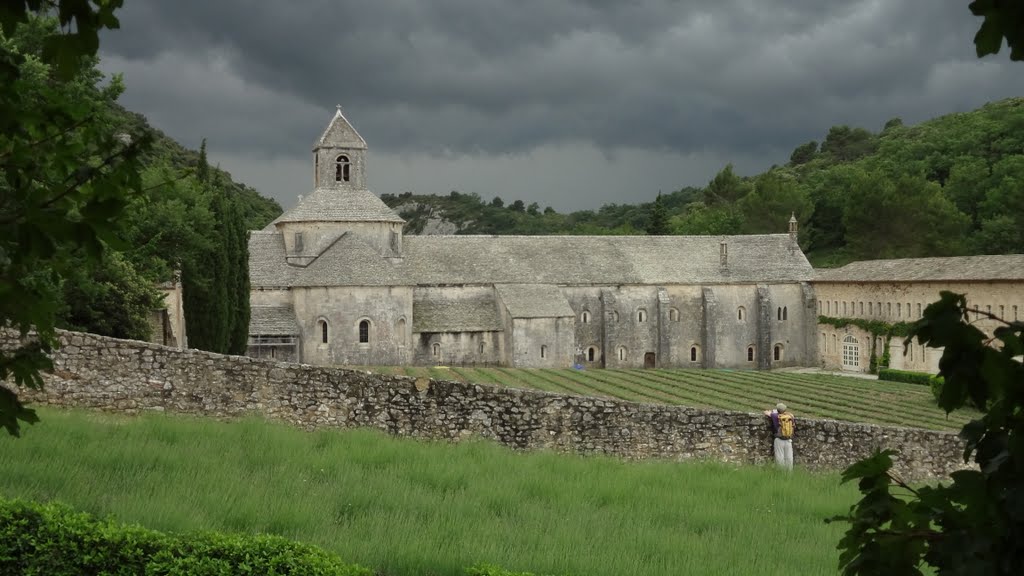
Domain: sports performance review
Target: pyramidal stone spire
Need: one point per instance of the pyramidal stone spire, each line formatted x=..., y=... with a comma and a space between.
x=339, y=156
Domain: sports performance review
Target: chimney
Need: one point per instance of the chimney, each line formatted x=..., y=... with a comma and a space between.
x=792, y=227
x=723, y=253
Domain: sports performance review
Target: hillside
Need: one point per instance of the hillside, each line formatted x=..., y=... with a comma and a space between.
x=946, y=186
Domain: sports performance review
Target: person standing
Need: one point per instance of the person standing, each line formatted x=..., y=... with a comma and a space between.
x=783, y=425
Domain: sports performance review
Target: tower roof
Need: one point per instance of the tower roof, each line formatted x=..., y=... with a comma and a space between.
x=328, y=205
x=340, y=134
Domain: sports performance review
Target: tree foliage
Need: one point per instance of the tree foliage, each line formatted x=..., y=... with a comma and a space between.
x=66, y=174
x=658, y=225
x=974, y=524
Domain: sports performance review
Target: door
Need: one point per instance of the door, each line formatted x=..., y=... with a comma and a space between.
x=649, y=360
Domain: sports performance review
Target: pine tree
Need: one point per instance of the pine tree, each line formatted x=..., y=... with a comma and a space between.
x=658, y=224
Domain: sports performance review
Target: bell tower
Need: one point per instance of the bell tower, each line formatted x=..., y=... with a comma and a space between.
x=339, y=157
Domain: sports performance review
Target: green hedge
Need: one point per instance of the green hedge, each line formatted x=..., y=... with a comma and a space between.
x=905, y=376
x=52, y=540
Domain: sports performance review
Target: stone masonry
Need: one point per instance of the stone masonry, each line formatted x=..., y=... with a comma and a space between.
x=132, y=377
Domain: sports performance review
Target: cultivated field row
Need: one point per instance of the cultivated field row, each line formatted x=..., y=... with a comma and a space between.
x=814, y=395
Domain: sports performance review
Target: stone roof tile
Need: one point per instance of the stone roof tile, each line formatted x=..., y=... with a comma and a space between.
x=338, y=205
x=950, y=269
x=534, y=301
x=432, y=312
x=267, y=266
x=273, y=321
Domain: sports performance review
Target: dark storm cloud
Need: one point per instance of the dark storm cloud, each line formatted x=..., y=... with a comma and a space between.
x=739, y=78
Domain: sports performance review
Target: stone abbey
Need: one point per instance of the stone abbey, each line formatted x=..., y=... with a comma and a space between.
x=335, y=282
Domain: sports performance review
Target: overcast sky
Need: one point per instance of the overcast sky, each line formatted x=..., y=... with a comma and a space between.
x=568, y=103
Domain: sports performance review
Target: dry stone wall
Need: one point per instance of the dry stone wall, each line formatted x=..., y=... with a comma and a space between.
x=132, y=377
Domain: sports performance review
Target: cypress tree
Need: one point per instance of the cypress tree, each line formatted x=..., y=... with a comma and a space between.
x=658, y=224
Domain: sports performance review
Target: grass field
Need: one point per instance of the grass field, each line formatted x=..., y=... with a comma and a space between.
x=414, y=508
x=814, y=395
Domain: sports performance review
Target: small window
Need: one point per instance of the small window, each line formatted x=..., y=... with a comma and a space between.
x=899, y=310
x=673, y=315
x=1002, y=311
x=622, y=353
x=879, y=307
x=828, y=308
x=543, y=351
x=908, y=309
x=750, y=353
x=483, y=344
x=778, y=313
x=1015, y=313
x=785, y=313
x=693, y=353
x=741, y=313
x=590, y=354
x=910, y=351
x=819, y=306
x=400, y=329
x=298, y=241
x=585, y=317
x=778, y=352
x=323, y=330
x=870, y=309
x=436, y=350
x=919, y=310
x=988, y=309
x=888, y=309
x=860, y=307
x=342, y=169
x=844, y=308
x=835, y=306
x=364, y=331
x=641, y=315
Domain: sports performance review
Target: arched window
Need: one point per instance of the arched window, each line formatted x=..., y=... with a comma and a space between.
x=400, y=331
x=693, y=353
x=590, y=354
x=585, y=317
x=750, y=353
x=870, y=310
x=860, y=308
x=785, y=313
x=322, y=325
x=436, y=350
x=888, y=308
x=482, y=344
x=342, y=169
x=835, y=346
x=828, y=308
x=851, y=352
x=364, y=331
x=899, y=310
x=778, y=313
x=741, y=313
x=622, y=353
x=673, y=315
x=778, y=352
x=543, y=351
x=641, y=315
x=844, y=308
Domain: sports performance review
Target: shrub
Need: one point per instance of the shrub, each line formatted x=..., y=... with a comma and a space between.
x=51, y=539
x=905, y=376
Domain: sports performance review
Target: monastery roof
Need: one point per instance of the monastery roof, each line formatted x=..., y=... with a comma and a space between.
x=433, y=312
x=273, y=321
x=952, y=269
x=534, y=301
x=340, y=133
x=600, y=260
x=267, y=266
x=334, y=205
x=554, y=260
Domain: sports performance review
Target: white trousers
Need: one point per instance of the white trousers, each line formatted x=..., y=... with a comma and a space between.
x=784, y=453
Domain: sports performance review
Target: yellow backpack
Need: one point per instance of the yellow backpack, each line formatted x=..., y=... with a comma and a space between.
x=786, y=425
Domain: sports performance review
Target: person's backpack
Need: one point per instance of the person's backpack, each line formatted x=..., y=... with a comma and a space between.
x=786, y=425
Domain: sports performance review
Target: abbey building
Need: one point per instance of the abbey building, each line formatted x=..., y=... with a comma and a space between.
x=335, y=282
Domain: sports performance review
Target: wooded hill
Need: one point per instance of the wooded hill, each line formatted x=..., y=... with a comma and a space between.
x=953, y=185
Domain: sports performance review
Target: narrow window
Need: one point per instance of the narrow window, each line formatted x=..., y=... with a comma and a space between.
x=750, y=353
x=437, y=349
x=1014, y=313
x=316, y=170
x=835, y=305
x=543, y=351
x=342, y=169
x=778, y=313
x=844, y=307
x=400, y=328
x=834, y=345
x=899, y=310
x=888, y=308
x=590, y=354
x=870, y=309
x=673, y=315
x=482, y=349
x=988, y=309
x=860, y=307
x=585, y=317
x=622, y=353
x=910, y=350
x=298, y=241
x=1002, y=311
x=323, y=330
x=879, y=308
x=740, y=313
x=908, y=309
x=641, y=316
x=778, y=352
x=785, y=313
x=693, y=353
x=919, y=309
x=364, y=331
x=819, y=306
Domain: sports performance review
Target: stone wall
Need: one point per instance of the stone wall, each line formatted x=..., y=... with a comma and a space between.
x=131, y=377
